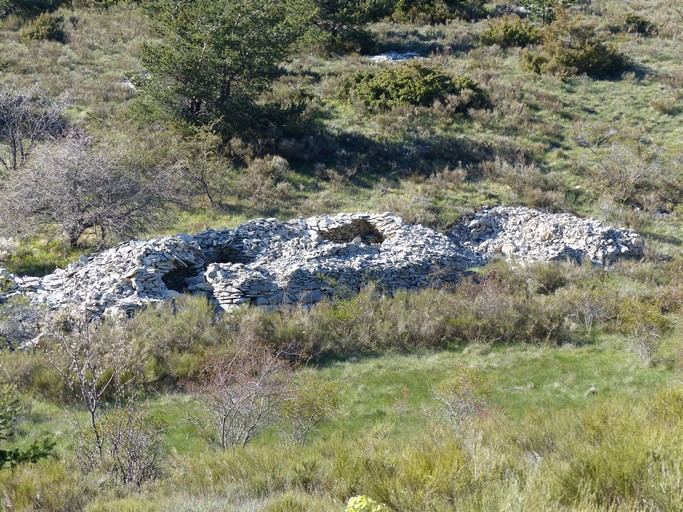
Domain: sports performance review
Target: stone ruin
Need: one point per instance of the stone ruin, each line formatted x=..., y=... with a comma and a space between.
x=270, y=263
x=525, y=234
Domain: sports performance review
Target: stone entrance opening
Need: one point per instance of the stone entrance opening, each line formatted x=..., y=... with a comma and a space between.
x=178, y=279
x=228, y=254
x=345, y=234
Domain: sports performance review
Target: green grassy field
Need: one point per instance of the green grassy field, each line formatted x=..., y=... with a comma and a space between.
x=575, y=412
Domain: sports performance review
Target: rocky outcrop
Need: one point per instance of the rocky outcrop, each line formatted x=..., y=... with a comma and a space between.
x=269, y=263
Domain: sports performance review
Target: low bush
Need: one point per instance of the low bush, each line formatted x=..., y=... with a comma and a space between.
x=28, y=7
x=463, y=395
x=511, y=31
x=438, y=11
x=412, y=83
x=571, y=48
x=637, y=24
x=46, y=27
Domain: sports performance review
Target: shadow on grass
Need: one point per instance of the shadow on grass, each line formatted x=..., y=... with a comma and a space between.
x=366, y=159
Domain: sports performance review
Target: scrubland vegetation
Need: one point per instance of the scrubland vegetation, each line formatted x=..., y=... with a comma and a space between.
x=551, y=386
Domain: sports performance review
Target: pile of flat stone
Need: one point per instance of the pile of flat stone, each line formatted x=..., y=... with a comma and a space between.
x=526, y=234
x=266, y=262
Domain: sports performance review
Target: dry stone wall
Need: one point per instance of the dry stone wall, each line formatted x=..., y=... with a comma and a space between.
x=266, y=262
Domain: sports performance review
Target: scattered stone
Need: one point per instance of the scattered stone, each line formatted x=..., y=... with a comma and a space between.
x=270, y=263
x=392, y=56
x=526, y=234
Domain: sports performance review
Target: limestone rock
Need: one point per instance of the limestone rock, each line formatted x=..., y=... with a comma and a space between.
x=269, y=263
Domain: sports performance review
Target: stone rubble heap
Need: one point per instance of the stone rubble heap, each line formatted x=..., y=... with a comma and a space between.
x=268, y=263
x=531, y=235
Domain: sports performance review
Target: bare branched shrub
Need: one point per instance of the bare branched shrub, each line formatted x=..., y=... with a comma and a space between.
x=120, y=441
x=91, y=370
x=27, y=117
x=241, y=396
x=310, y=402
x=644, y=342
x=133, y=445
x=73, y=185
x=621, y=173
x=463, y=395
x=587, y=308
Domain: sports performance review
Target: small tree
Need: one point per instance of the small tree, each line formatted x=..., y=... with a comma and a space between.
x=27, y=117
x=132, y=448
x=241, y=396
x=309, y=403
x=214, y=59
x=91, y=370
x=73, y=185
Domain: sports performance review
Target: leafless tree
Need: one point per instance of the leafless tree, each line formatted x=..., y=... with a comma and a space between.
x=25, y=119
x=89, y=368
x=133, y=444
x=241, y=396
x=119, y=440
x=73, y=186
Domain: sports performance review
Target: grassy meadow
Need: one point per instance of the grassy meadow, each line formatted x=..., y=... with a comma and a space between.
x=551, y=386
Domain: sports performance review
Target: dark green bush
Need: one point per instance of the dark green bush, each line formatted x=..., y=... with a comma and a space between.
x=412, y=83
x=338, y=26
x=543, y=11
x=511, y=31
x=571, y=48
x=636, y=24
x=28, y=7
x=438, y=11
x=46, y=27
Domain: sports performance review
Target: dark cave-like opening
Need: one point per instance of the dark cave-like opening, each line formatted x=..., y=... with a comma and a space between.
x=177, y=279
x=229, y=254
x=360, y=228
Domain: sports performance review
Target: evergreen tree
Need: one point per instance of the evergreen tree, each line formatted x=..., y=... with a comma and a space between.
x=215, y=58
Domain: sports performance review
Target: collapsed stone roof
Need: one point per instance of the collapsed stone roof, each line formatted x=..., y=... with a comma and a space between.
x=266, y=262
x=526, y=234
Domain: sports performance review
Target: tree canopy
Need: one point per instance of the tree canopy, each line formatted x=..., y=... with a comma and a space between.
x=214, y=59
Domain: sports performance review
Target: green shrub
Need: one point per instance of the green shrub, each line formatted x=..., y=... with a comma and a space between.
x=46, y=27
x=28, y=7
x=511, y=31
x=338, y=26
x=544, y=11
x=636, y=24
x=412, y=83
x=172, y=339
x=571, y=48
x=438, y=11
